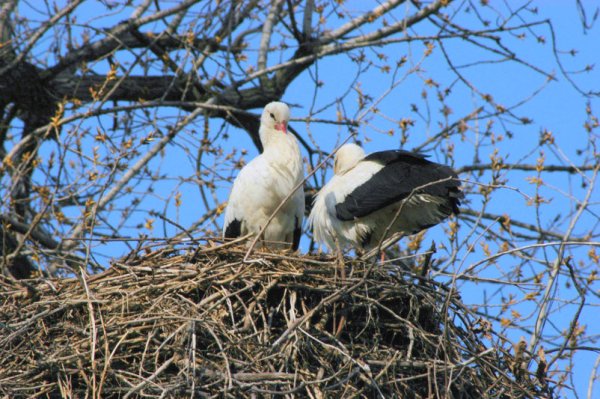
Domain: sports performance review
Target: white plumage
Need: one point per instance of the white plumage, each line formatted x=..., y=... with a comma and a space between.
x=358, y=204
x=265, y=182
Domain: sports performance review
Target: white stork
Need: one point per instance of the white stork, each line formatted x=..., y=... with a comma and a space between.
x=361, y=200
x=265, y=182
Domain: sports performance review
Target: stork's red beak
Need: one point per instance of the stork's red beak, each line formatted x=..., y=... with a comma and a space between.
x=281, y=126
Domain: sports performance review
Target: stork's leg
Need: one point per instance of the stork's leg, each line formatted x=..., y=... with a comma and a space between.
x=342, y=266
x=340, y=260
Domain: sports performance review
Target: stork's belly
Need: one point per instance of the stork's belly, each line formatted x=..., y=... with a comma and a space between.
x=279, y=230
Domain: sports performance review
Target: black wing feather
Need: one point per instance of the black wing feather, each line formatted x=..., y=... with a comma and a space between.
x=297, y=234
x=403, y=171
x=386, y=157
x=233, y=229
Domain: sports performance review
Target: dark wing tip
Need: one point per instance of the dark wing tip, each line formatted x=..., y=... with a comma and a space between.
x=233, y=229
x=455, y=195
x=297, y=235
x=343, y=213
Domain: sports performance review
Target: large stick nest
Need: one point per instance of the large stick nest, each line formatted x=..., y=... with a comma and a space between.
x=185, y=321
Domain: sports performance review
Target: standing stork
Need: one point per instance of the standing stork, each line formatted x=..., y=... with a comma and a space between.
x=265, y=182
x=388, y=192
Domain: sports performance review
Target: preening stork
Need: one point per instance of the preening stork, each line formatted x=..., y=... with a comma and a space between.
x=265, y=182
x=361, y=200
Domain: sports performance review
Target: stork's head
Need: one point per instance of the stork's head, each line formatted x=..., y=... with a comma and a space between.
x=347, y=157
x=275, y=116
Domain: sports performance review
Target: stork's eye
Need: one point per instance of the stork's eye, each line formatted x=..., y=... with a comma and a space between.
x=272, y=116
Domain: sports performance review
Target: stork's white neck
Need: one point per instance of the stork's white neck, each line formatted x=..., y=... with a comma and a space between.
x=271, y=138
x=282, y=149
